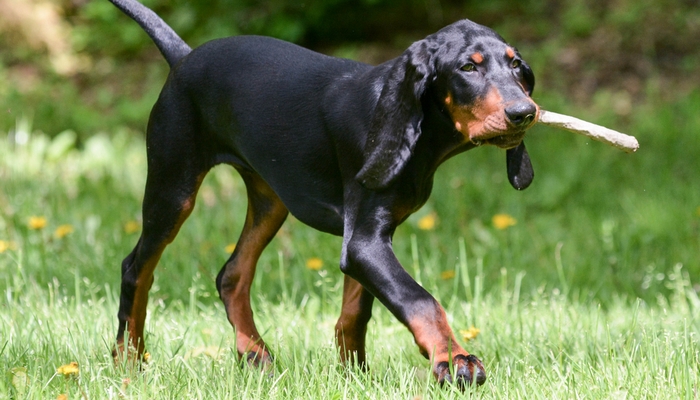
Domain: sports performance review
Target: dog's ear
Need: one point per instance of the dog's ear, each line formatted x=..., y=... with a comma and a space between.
x=529, y=78
x=395, y=124
x=519, y=167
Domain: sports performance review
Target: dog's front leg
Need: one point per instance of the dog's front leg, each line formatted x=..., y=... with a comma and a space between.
x=368, y=257
x=351, y=329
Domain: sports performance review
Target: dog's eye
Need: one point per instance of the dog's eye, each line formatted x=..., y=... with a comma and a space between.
x=516, y=63
x=469, y=67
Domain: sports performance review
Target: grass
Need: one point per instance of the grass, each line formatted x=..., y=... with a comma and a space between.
x=591, y=292
x=547, y=347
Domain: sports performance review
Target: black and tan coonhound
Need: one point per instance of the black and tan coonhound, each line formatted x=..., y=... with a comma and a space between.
x=347, y=148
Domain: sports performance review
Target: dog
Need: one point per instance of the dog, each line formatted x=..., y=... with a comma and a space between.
x=348, y=148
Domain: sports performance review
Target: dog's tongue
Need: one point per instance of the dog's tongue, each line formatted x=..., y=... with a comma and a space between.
x=520, y=172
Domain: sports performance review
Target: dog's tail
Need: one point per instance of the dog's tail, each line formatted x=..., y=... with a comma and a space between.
x=169, y=43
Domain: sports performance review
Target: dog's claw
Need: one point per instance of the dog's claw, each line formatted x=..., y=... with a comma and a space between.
x=468, y=370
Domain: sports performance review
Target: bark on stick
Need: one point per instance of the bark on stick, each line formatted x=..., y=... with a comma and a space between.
x=623, y=142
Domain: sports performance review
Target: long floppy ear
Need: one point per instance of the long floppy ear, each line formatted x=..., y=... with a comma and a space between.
x=395, y=124
x=518, y=164
x=519, y=167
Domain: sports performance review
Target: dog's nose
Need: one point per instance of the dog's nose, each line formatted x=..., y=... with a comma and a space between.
x=521, y=114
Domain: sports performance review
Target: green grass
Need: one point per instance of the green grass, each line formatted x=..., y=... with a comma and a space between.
x=546, y=347
x=593, y=293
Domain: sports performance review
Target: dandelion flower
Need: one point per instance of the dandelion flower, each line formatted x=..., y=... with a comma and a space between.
x=314, y=263
x=469, y=334
x=445, y=275
x=63, y=231
x=62, y=397
x=230, y=248
x=503, y=221
x=69, y=369
x=7, y=245
x=36, y=223
x=427, y=223
x=132, y=227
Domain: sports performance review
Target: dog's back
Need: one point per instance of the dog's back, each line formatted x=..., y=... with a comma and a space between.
x=230, y=83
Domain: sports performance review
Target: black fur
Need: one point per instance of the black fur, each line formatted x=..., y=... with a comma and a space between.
x=347, y=148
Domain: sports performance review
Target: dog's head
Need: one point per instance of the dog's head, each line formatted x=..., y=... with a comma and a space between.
x=483, y=85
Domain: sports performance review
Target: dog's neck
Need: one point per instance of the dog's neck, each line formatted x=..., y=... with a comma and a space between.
x=440, y=138
x=439, y=141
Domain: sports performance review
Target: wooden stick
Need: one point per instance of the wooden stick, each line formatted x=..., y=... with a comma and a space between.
x=623, y=142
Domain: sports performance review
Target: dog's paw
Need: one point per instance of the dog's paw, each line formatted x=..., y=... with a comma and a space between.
x=128, y=354
x=467, y=370
x=259, y=361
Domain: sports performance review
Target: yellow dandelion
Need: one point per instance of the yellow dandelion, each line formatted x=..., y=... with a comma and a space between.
x=469, y=334
x=69, y=369
x=7, y=245
x=146, y=356
x=131, y=227
x=36, y=223
x=314, y=263
x=428, y=222
x=447, y=274
x=62, y=397
x=63, y=231
x=230, y=248
x=503, y=221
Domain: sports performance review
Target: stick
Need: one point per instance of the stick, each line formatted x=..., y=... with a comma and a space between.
x=623, y=142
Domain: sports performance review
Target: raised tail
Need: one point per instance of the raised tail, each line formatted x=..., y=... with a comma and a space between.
x=168, y=42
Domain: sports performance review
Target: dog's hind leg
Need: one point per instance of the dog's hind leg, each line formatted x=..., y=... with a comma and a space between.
x=351, y=328
x=169, y=199
x=265, y=216
x=176, y=168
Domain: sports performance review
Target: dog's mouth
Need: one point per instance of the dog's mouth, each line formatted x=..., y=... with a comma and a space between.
x=497, y=130
x=506, y=141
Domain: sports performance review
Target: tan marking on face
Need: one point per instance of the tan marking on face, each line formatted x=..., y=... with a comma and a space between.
x=448, y=99
x=481, y=120
x=477, y=57
x=510, y=52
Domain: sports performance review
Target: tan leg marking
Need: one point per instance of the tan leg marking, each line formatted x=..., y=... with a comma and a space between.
x=351, y=328
x=260, y=227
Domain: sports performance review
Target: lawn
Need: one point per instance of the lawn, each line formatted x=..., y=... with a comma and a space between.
x=585, y=285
